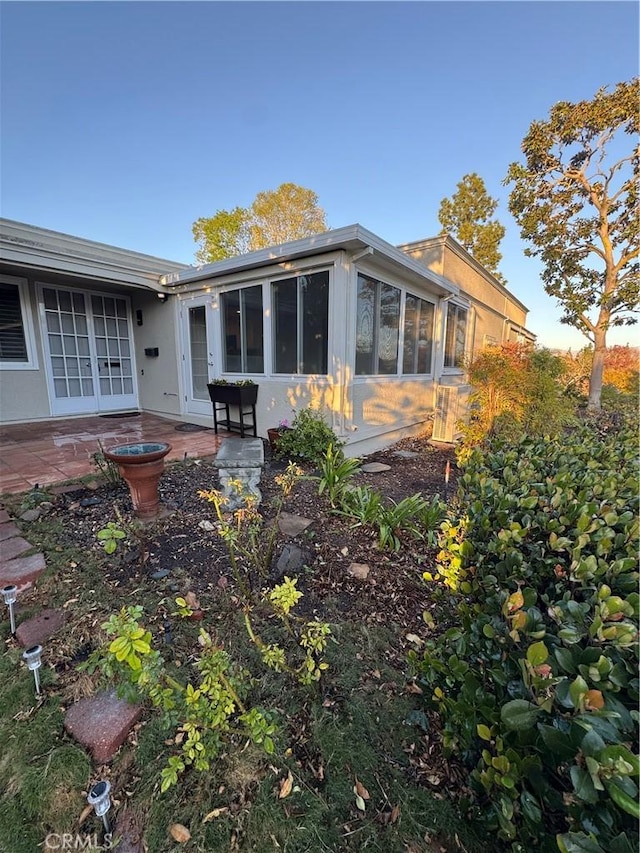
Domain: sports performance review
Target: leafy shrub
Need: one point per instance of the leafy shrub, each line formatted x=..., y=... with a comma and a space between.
x=309, y=437
x=537, y=683
x=335, y=472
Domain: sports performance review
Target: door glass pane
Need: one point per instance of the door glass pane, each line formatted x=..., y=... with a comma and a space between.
x=69, y=345
x=72, y=367
x=53, y=322
x=127, y=386
x=50, y=299
x=199, y=352
x=83, y=347
x=55, y=344
x=60, y=387
x=65, y=300
x=75, y=388
x=285, y=325
x=87, y=388
x=315, y=325
x=67, y=323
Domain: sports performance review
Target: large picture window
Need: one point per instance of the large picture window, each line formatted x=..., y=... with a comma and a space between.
x=418, y=335
x=300, y=308
x=15, y=336
x=377, y=327
x=243, y=330
x=456, y=336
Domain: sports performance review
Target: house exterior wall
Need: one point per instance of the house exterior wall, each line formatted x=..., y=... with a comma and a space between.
x=159, y=379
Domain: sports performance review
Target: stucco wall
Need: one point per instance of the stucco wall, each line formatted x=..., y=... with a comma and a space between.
x=158, y=376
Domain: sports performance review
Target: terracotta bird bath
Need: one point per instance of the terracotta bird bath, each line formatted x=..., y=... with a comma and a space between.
x=141, y=465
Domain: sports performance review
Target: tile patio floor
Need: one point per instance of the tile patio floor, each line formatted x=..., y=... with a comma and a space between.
x=52, y=451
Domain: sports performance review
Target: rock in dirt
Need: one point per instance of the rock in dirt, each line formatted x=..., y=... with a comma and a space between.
x=375, y=468
x=359, y=571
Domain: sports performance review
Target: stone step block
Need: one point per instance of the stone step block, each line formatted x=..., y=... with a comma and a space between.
x=36, y=631
x=13, y=547
x=8, y=530
x=22, y=571
x=101, y=723
x=4, y=516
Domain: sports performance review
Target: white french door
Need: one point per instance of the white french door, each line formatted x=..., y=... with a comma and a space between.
x=89, y=351
x=197, y=355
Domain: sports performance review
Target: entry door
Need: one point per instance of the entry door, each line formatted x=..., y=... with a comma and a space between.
x=87, y=338
x=198, y=360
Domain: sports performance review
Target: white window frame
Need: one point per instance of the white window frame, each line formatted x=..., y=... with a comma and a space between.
x=27, y=326
x=455, y=368
x=269, y=311
x=406, y=292
x=265, y=311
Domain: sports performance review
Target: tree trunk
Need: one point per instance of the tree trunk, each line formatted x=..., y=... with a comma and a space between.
x=597, y=369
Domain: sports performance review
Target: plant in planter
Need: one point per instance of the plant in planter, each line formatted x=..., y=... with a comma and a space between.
x=275, y=433
x=242, y=395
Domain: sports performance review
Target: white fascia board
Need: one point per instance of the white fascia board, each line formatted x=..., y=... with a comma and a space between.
x=350, y=238
x=43, y=250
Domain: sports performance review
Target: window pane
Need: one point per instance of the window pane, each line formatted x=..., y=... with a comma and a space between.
x=315, y=324
x=425, y=337
x=411, y=315
x=13, y=345
x=455, y=336
x=231, y=327
x=285, y=325
x=253, y=344
x=365, y=325
x=199, y=360
x=389, y=329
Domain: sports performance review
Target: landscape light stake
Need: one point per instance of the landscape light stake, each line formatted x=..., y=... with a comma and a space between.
x=447, y=472
x=33, y=658
x=10, y=596
x=100, y=800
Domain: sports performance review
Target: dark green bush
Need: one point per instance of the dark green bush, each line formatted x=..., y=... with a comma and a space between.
x=308, y=438
x=537, y=684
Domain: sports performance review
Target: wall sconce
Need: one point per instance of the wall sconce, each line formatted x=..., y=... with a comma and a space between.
x=162, y=296
x=139, y=316
x=10, y=596
x=33, y=657
x=101, y=801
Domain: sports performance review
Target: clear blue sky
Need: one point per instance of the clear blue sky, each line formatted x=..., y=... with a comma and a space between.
x=124, y=122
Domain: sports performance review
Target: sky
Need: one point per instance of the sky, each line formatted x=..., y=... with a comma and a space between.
x=124, y=122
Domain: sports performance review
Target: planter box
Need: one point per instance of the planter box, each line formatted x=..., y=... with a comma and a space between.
x=233, y=395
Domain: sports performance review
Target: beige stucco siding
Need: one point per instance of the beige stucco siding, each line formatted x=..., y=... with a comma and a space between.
x=159, y=386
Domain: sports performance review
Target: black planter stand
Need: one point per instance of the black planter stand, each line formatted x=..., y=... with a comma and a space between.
x=243, y=399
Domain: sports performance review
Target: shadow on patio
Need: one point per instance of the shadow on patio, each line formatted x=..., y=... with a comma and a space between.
x=49, y=452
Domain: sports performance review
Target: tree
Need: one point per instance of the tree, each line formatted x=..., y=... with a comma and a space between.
x=276, y=216
x=576, y=201
x=467, y=215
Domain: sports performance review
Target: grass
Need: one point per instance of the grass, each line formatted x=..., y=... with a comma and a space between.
x=356, y=726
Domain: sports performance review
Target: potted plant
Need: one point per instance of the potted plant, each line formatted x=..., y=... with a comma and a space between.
x=241, y=393
x=275, y=433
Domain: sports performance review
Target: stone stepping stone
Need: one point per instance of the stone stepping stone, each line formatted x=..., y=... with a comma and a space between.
x=36, y=631
x=101, y=723
x=4, y=516
x=292, y=525
x=406, y=454
x=13, y=547
x=129, y=831
x=22, y=571
x=8, y=530
x=375, y=468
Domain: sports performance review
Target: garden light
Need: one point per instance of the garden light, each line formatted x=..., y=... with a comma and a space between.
x=100, y=800
x=10, y=596
x=33, y=658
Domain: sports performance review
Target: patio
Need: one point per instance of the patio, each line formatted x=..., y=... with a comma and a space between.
x=52, y=451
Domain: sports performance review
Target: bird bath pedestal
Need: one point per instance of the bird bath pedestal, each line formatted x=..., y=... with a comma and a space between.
x=141, y=466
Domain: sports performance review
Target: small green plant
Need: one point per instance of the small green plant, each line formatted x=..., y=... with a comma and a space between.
x=209, y=714
x=335, y=472
x=108, y=469
x=308, y=438
x=109, y=537
x=250, y=543
x=361, y=503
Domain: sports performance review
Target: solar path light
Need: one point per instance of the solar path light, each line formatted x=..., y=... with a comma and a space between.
x=10, y=596
x=101, y=801
x=33, y=657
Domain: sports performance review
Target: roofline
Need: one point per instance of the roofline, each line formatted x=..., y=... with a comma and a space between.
x=54, y=251
x=458, y=249
x=349, y=238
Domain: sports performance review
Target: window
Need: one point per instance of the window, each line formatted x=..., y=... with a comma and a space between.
x=243, y=330
x=16, y=335
x=377, y=327
x=455, y=337
x=300, y=308
x=418, y=335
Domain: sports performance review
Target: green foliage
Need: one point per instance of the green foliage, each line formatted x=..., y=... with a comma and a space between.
x=467, y=216
x=575, y=199
x=107, y=469
x=516, y=389
x=109, y=537
x=309, y=437
x=207, y=714
x=289, y=212
x=335, y=473
x=537, y=683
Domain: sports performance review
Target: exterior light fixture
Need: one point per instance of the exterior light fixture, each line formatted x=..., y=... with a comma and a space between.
x=101, y=801
x=10, y=596
x=33, y=658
